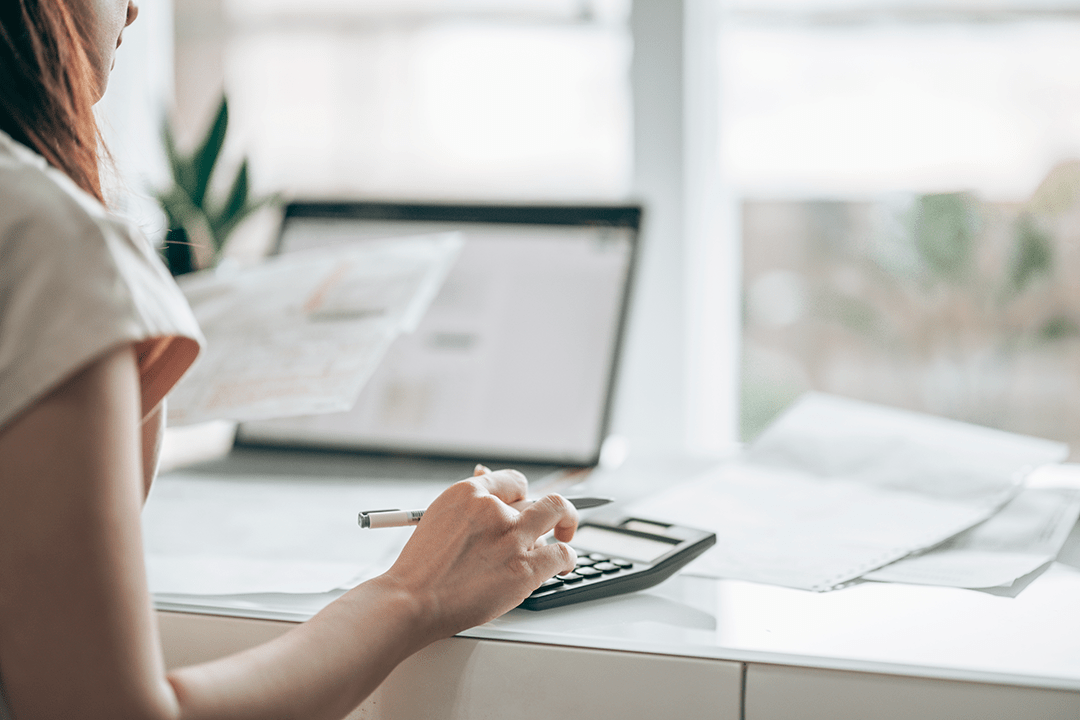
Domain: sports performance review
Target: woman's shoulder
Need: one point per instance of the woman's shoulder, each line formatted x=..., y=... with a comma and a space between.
x=75, y=281
x=35, y=205
x=52, y=234
x=47, y=220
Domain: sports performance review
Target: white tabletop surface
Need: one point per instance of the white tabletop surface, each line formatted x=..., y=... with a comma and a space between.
x=1032, y=639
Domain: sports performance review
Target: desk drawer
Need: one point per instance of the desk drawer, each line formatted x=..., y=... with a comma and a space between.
x=777, y=692
x=469, y=679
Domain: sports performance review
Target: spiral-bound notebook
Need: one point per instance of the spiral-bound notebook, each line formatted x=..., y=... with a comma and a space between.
x=515, y=361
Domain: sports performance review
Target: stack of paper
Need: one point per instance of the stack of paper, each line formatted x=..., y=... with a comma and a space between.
x=1026, y=534
x=837, y=488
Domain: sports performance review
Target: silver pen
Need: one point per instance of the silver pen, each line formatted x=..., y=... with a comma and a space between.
x=402, y=518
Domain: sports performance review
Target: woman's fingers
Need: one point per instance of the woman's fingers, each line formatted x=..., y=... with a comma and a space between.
x=509, y=486
x=554, y=511
x=554, y=559
x=547, y=513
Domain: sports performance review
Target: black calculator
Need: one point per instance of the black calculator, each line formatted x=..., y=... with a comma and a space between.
x=618, y=555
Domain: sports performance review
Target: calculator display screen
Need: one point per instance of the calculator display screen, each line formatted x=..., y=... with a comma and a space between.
x=619, y=545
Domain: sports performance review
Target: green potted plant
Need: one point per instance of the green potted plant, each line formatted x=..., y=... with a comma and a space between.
x=198, y=218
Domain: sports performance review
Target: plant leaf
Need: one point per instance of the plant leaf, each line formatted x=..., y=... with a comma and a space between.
x=238, y=194
x=209, y=150
x=225, y=218
x=182, y=171
x=225, y=228
x=177, y=206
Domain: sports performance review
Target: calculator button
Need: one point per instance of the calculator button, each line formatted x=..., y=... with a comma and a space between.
x=588, y=572
x=606, y=567
x=585, y=561
x=570, y=577
x=624, y=564
x=548, y=585
x=598, y=557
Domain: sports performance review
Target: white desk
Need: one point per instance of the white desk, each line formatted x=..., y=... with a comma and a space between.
x=701, y=648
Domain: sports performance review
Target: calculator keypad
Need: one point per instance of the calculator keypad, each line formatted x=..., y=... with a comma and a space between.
x=590, y=566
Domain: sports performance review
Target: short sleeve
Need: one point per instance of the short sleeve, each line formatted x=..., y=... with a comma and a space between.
x=75, y=283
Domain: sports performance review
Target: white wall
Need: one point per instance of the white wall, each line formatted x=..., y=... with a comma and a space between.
x=140, y=90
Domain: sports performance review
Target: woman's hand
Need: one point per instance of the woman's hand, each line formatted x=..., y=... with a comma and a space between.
x=473, y=556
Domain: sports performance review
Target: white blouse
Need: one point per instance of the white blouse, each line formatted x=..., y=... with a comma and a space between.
x=76, y=282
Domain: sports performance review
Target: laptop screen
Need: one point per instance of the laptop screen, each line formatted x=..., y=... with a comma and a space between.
x=516, y=357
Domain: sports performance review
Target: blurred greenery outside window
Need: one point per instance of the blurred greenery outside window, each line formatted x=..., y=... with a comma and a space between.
x=910, y=196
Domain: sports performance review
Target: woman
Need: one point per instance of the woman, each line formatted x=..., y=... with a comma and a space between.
x=93, y=333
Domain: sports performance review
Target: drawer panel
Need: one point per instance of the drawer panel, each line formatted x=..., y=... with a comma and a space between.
x=775, y=692
x=469, y=679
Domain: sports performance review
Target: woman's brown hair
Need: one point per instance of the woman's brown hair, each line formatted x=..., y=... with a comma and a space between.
x=47, y=87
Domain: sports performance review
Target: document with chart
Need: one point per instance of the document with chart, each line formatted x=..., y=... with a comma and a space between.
x=301, y=334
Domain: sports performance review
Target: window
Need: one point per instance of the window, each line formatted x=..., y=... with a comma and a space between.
x=910, y=205
x=522, y=99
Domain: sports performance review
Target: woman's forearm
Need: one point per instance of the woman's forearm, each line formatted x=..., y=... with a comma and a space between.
x=321, y=669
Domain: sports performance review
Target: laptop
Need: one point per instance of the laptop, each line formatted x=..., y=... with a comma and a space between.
x=515, y=361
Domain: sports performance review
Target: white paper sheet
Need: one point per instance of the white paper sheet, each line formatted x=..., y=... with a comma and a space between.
x=214, y=535
x=1022, y=537
x=836, y=488
x=301, y=333
x=225, y=575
